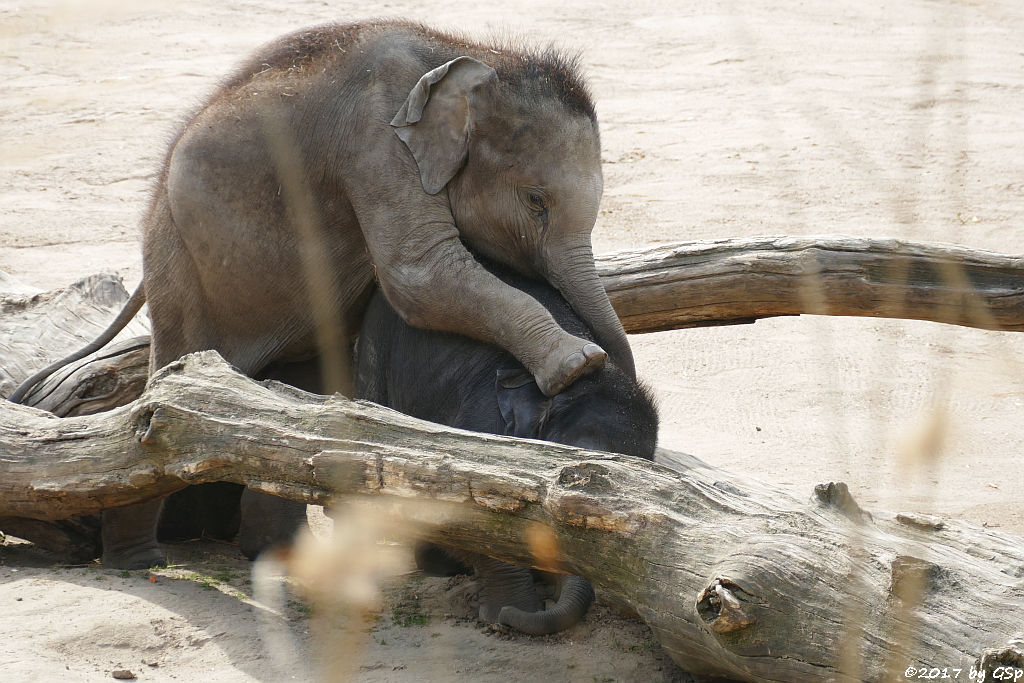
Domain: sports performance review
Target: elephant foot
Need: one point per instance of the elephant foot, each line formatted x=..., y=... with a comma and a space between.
x=134, y=558
x=577, y=362
x=129, y=536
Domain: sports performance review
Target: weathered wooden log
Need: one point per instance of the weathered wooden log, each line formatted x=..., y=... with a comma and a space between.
x=731, y=281
x=37, y=328
x=735, y=577
x=692, y=284
x=674, y=286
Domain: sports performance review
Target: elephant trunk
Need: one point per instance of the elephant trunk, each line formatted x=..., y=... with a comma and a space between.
x=574, y=600
x=574, y=274
x=507, y=596
x=504, y=585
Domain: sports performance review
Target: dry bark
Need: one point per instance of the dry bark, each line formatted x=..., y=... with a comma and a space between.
x=735, y=577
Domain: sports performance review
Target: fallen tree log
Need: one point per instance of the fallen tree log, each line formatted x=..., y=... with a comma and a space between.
x=735, y=577
x=729, y=281
x=37, y=328
x=725, y=633
x=675, y=286
x=691, y=284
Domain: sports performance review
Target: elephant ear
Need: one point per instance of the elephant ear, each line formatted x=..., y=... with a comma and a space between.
x=524, y=407
x=434, y=122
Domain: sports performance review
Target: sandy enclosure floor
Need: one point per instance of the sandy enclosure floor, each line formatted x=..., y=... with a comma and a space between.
x=718, y=119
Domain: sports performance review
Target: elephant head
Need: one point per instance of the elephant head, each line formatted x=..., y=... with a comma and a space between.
x=517, y=149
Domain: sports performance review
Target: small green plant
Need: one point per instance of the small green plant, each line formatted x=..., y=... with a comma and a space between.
x=408, y=611
x=204, y=580
x=225, y=576
x=300, y=607
x=124, y=574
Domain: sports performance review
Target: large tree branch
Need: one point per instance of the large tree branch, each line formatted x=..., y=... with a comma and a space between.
x=735, y=577
x=740, y=280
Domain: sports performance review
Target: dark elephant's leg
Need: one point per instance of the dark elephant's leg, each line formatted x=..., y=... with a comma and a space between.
x=433, y=560
x=267, y=520
x=129, y=536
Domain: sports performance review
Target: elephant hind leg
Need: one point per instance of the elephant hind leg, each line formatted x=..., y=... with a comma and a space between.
x=267, y=520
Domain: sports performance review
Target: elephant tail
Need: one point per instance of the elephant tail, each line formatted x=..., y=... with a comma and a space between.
x=574, y=600
x=131, y=307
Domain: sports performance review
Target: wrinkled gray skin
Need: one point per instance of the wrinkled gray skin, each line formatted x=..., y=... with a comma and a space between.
x=465, y=383
x=381, y=150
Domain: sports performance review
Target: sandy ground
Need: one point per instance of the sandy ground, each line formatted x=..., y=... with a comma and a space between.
x=718, y=119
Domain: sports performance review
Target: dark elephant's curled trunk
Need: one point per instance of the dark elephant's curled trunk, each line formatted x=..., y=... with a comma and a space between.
x=574, y=274
x=574, y=600
x=507, y=596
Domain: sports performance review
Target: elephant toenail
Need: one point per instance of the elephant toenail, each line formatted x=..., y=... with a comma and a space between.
x=575, y=360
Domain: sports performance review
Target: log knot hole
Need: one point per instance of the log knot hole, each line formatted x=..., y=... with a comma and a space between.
x=585, y=476
x=720, y=606
x=148, y=424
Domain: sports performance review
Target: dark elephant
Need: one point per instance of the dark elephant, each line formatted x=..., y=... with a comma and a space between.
x=347, y=154
x=469, y=384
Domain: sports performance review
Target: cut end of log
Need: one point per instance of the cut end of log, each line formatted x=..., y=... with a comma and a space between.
x=720, y=607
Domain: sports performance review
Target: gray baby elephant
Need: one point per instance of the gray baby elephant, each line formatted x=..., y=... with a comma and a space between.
x=381, y=151
x=465, y=383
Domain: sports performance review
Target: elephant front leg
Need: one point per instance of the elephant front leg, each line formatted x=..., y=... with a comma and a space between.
x=129, y=536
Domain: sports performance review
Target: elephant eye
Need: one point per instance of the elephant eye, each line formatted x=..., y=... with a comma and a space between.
x=536, y=200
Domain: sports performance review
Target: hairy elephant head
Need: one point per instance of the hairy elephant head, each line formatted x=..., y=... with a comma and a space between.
x=518, y=150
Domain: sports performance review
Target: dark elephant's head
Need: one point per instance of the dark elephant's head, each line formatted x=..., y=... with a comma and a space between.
x=518, y=150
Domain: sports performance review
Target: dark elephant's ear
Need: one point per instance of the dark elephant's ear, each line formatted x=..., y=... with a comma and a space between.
x=434, y=122
x=524, y=407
